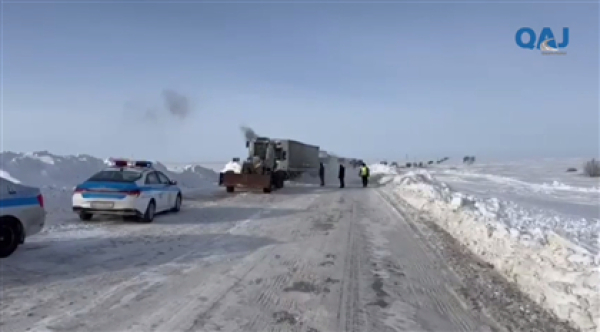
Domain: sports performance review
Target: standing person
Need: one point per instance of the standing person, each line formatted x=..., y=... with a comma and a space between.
x=322, y=174
x=341, y=175
x=364, y=174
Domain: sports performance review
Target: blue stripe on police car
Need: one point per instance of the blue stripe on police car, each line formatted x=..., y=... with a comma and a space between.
x=91, y=185
x=20, y=201
x=116, y=195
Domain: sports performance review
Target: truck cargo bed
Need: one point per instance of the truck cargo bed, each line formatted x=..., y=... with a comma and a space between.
x=300, y=156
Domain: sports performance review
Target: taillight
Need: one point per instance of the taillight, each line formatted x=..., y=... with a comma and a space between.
x=40, y=199
x=133, y=193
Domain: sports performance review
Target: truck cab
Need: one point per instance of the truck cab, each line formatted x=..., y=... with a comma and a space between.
x=261, y=156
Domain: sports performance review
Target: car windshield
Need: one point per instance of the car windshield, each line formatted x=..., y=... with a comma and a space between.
x=116, y=176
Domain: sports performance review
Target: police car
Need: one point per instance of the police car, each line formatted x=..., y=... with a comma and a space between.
x=131, y=189
x=22, y=214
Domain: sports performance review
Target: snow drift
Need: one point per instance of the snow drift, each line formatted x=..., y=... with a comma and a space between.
x=43, y=169
x=546, y=257
x=56, y=175
x=382, y=169
x=232, y=166
x=5, y=175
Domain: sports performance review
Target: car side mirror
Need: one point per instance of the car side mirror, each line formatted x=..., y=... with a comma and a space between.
x=173, y=182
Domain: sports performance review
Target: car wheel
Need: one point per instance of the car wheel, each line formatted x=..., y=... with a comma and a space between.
x=150, y=212
x=177, y=206
x=9, y=237
x=85, y=216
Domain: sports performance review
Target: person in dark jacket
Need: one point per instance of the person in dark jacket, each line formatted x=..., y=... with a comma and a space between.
x=321, y=174
x=364, y=174
x=341, y=175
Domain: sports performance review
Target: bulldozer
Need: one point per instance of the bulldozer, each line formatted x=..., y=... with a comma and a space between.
x=259, y=170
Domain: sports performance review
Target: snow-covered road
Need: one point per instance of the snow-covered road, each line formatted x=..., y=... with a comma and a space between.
x=301, y=259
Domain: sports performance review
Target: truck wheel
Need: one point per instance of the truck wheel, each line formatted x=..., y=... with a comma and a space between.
x=10, y=236
x=230, y=189
x=84, y=216
x=266, y=190
x=148, y=216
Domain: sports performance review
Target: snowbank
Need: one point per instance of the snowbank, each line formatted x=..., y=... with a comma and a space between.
x=5, y=175
x=382, y=169
x=382, y=173
x=57, y=175
x=557, y=273
x=43, y=169
x=232, y=166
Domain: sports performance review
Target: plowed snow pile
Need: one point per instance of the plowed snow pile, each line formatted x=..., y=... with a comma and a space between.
x=382, y=169
x=57, y=175
x=551, y=258
x=5, y=175
x=232, y=166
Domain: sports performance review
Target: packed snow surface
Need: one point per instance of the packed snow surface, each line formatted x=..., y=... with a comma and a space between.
x=535, y=222
x=304, y=258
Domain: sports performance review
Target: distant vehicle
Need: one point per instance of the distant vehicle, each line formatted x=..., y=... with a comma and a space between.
x=22, y=214
x=131, y=189
x=270, y=163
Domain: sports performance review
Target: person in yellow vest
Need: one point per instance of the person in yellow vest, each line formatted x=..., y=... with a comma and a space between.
x=364, y=174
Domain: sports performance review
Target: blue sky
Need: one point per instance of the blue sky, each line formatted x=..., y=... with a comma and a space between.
x=365, y=79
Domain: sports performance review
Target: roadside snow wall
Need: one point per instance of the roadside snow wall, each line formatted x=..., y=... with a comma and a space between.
x=57, y=175
x=559, y=275
x=43, y=169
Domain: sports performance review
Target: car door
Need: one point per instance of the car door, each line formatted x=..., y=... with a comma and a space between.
x=169, y=193
x=157, y=190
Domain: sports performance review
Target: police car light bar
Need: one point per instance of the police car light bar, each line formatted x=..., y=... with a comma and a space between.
x=143, y=163
x=130, y=163
x=119, y=163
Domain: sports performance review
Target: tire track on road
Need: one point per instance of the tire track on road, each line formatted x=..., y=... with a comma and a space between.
x=135, y=285
x=350, y=315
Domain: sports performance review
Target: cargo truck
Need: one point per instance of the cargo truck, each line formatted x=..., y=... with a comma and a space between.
x=296, y=158
x=270, y=162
